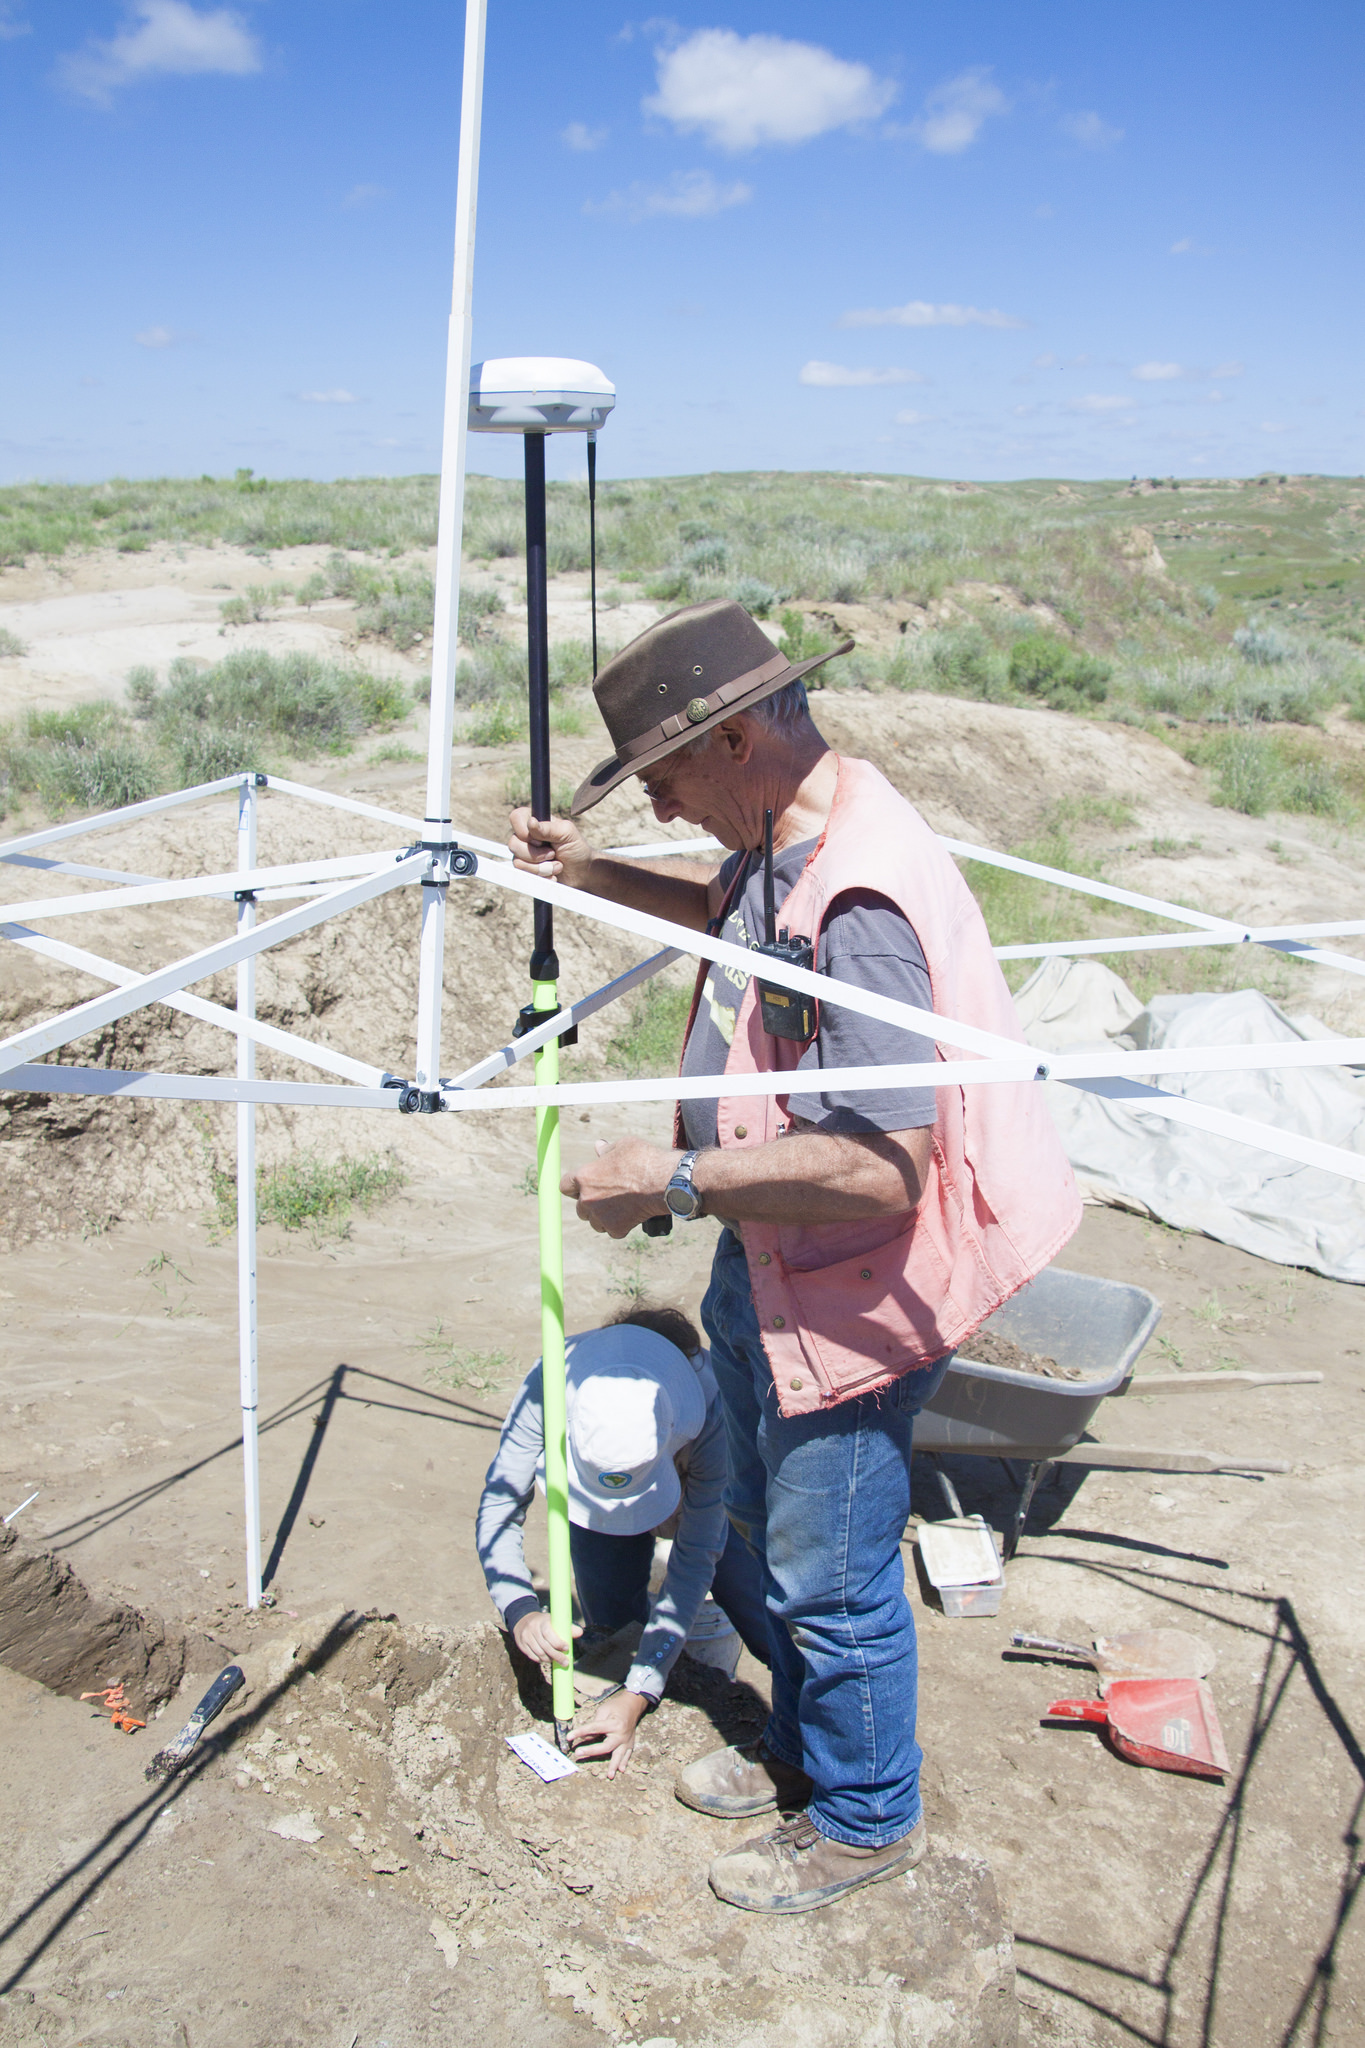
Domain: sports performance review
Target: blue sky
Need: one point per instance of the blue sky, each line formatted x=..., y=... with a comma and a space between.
x=987, y=240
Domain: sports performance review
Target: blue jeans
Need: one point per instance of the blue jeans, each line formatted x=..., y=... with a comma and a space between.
x=823, y=1500
x=612, y=1577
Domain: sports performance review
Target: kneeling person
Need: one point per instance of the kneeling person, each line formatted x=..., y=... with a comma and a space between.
x=646, y=1445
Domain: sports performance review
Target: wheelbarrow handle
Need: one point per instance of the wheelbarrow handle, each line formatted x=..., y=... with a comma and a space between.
x=1078, y=1710
x=1021, y=1641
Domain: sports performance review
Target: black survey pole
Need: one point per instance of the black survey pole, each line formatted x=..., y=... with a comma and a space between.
x=544, y=965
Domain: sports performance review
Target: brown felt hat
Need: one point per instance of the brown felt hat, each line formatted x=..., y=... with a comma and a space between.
x=680, y=677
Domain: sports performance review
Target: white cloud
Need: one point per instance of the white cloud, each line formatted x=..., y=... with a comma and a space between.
x=1090, y=131
x=689, y=195
x=1184, y=247
x=364, y=195
x=337, y=397
x=160, y=337
x=1274, y=427
x=912, y=419
x=954, y=113
x=744, y=91
x=10, y=29
x=1099, y=401
x=579, y=136
x=1229, y=370
x=829, y=375
x=1159, y=373
x=919, y=313
x=159, y=37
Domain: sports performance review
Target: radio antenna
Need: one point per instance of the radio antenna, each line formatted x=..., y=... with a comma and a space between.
x=592, y=541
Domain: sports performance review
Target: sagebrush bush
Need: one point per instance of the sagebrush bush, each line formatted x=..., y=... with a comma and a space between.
x=1255, y=772
x=202, y=723
x=1063, y=676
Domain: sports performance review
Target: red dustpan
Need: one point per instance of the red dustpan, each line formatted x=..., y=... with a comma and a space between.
x=1169, y=1723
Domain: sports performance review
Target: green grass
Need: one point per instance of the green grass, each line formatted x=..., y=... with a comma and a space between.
x=1020, y=910
x=453, y=1365
x=650, y=1040
x=493, y=678
x=1257, y=772
x=390, y=514
x=11, y=644
x=1256, y=620
x=309, y=1192
x=196, y=724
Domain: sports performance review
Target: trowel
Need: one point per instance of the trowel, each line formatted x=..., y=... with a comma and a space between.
x=1142, y=1653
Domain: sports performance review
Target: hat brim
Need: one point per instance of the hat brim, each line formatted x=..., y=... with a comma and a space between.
x=632, y=1514
x=614, y=770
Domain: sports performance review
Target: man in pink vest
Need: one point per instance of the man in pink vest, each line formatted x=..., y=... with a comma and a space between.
x=867, y=1233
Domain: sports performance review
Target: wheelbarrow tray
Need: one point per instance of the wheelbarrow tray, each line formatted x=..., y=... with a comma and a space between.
x=1097, y=1326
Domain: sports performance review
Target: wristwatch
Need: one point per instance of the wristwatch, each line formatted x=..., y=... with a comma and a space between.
x=682, y=1198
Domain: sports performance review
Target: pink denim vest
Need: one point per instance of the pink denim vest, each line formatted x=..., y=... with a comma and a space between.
x=845, y=1308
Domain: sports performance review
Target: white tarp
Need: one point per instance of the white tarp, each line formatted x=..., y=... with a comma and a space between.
x=1297, y=1215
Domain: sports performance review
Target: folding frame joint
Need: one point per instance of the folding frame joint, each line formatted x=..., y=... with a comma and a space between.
x=420, y=1102
x=459, y=860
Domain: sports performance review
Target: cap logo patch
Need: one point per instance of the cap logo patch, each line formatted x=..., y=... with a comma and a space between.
x=698, y=709
x=615, y=1480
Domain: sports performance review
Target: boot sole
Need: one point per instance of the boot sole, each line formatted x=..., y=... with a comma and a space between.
x=809, y=1902
x=721, y=1808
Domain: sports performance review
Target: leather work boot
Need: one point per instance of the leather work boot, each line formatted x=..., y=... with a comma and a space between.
x=795, y=1868
x=733, y=1783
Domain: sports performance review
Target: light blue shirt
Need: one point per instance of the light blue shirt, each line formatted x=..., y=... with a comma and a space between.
x=698, y=1540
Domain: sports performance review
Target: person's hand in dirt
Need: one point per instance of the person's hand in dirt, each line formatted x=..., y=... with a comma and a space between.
x=552, y=848
x=610, y=1730
x=536, y=1637
x=623, y=1185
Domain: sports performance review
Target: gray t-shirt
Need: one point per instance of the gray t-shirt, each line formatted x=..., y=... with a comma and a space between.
x=866, y=941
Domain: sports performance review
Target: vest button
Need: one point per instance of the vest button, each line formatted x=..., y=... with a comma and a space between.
x=866, y=1273
x=765, y=1258
x=741, y=1130
x=779, y=1322
x=796, y=1386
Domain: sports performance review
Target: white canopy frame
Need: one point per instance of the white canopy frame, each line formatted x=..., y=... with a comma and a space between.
x=433, y=857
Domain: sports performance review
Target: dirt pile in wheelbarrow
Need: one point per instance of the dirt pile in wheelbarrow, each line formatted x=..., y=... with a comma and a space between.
x=380, y=1751
x=56, y=1631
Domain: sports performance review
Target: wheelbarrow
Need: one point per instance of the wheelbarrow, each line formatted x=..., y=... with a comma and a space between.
x=1094, y=1329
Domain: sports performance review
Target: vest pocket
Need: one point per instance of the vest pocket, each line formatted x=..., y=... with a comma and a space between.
x=867, y=1318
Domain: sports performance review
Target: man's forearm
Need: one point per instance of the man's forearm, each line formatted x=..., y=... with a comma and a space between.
x=816, y=1177
x=675, y=889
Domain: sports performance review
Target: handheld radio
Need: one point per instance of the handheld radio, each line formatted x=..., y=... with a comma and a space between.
x=785, y=1014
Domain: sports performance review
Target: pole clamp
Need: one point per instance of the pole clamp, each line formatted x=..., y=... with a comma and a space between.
x=244, y=895
x=528, y=1016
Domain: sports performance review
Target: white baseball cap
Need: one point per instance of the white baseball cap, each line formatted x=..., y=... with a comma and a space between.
x=634, y=1401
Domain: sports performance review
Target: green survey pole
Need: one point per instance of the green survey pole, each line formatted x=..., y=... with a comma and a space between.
x=545, y=986
x=552, y=1367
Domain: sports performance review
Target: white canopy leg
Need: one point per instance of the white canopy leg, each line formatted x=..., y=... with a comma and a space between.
x=246, y=1202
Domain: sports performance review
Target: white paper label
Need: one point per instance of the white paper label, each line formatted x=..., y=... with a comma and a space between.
x=546, y=1762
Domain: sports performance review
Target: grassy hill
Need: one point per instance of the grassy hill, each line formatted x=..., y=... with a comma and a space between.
x=1225, y=615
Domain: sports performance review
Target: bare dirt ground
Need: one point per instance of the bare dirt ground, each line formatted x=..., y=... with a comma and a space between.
x=424, y=1882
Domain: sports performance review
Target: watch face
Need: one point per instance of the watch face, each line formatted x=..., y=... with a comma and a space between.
x=681, y=1201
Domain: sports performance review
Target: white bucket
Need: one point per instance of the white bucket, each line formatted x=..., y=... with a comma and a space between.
x=713, y=1639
